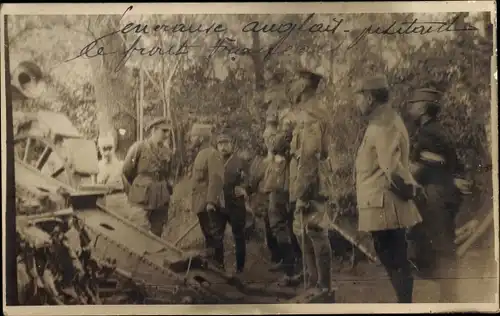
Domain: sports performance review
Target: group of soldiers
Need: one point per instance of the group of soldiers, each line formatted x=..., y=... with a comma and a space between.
x=404, y=186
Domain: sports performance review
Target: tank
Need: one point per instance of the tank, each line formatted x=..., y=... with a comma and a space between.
x=86, y=252
x=55, y=187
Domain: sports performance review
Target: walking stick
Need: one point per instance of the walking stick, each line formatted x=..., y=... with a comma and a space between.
x=191, y=227
x=303, y=242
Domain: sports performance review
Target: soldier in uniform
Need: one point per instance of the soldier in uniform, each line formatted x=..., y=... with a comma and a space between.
x=207, y=190
x=235, y=190
x=309, y=147
x=279, y=212
x=110, y=167
x=384, y=184
x=270, y=130
x=437, y=164
x=146, y=170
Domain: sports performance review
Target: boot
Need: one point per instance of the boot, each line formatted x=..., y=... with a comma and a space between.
x=288, y=281
x=324, y=264
x=403, y=286
x=240, y=255
x=287, y=263
x=218, y=258
x=298, y=266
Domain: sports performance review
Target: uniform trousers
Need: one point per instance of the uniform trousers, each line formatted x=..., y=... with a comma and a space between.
x=434, y=238
x=392, y=248
x=157, y=219
x=313, y=233
x=213, y=225
x=281, y=225
x=271, y=241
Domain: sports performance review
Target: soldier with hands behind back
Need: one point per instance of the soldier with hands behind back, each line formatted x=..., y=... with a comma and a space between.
x=146, y=172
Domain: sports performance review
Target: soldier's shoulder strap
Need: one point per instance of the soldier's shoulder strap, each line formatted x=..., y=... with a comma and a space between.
x=138, y=149
x=133, y=159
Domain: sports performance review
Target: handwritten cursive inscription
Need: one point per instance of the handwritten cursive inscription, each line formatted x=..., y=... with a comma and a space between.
x=413, y=27
x=227, y=45
x=97, y=48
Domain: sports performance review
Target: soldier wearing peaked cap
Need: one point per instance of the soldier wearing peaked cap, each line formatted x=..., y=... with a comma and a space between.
x=198, y=129
x=158, y=123
x=147, y=171
x=384, y=184
x=435, y=155
x=207, y=198
x=308, y=199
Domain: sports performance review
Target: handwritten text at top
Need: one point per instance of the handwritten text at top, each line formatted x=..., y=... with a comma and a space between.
x=284, y=30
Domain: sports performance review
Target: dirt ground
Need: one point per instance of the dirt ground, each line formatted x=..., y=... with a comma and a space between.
x=367, y=283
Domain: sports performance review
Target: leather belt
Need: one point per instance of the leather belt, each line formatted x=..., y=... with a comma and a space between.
x=157, y=176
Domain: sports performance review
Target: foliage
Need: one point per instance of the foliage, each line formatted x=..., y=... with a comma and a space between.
x=226, y=89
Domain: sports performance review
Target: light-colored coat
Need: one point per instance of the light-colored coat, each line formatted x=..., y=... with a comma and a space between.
x=110, y=173
x=308, y=149
x=207, y=179
x=383, y=152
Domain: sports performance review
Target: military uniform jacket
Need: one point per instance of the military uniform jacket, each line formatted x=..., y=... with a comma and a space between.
x=308, y=149
x=277, y=171
x=235, y=174
x=442, y=204
x=383, y=152
x=146, y=167
x=207, y=179
x=431, y=137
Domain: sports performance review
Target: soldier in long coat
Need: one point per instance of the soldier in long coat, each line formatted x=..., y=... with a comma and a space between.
x=309, y=147
x=146, y=171
x=384, y=184
x=207, y=190
x=279, y=212
x=270, y=130
x=437, y=164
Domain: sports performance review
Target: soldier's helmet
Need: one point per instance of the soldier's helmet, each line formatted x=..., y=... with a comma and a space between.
x=272, y=115
x=159, y=122
x=312, y=78
x=203, y=130
x=306, y=79
x=224, y=136
x=425, y=101
x=374, y=83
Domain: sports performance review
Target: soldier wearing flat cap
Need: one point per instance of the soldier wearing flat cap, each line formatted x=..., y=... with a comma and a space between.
x=435, y=155
x=233, y=212
x=308, y=150
x=207, y=198
x=384, y=184
x=146, y=170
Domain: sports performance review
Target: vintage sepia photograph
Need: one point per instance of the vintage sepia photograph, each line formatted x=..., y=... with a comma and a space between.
x=314, y=155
